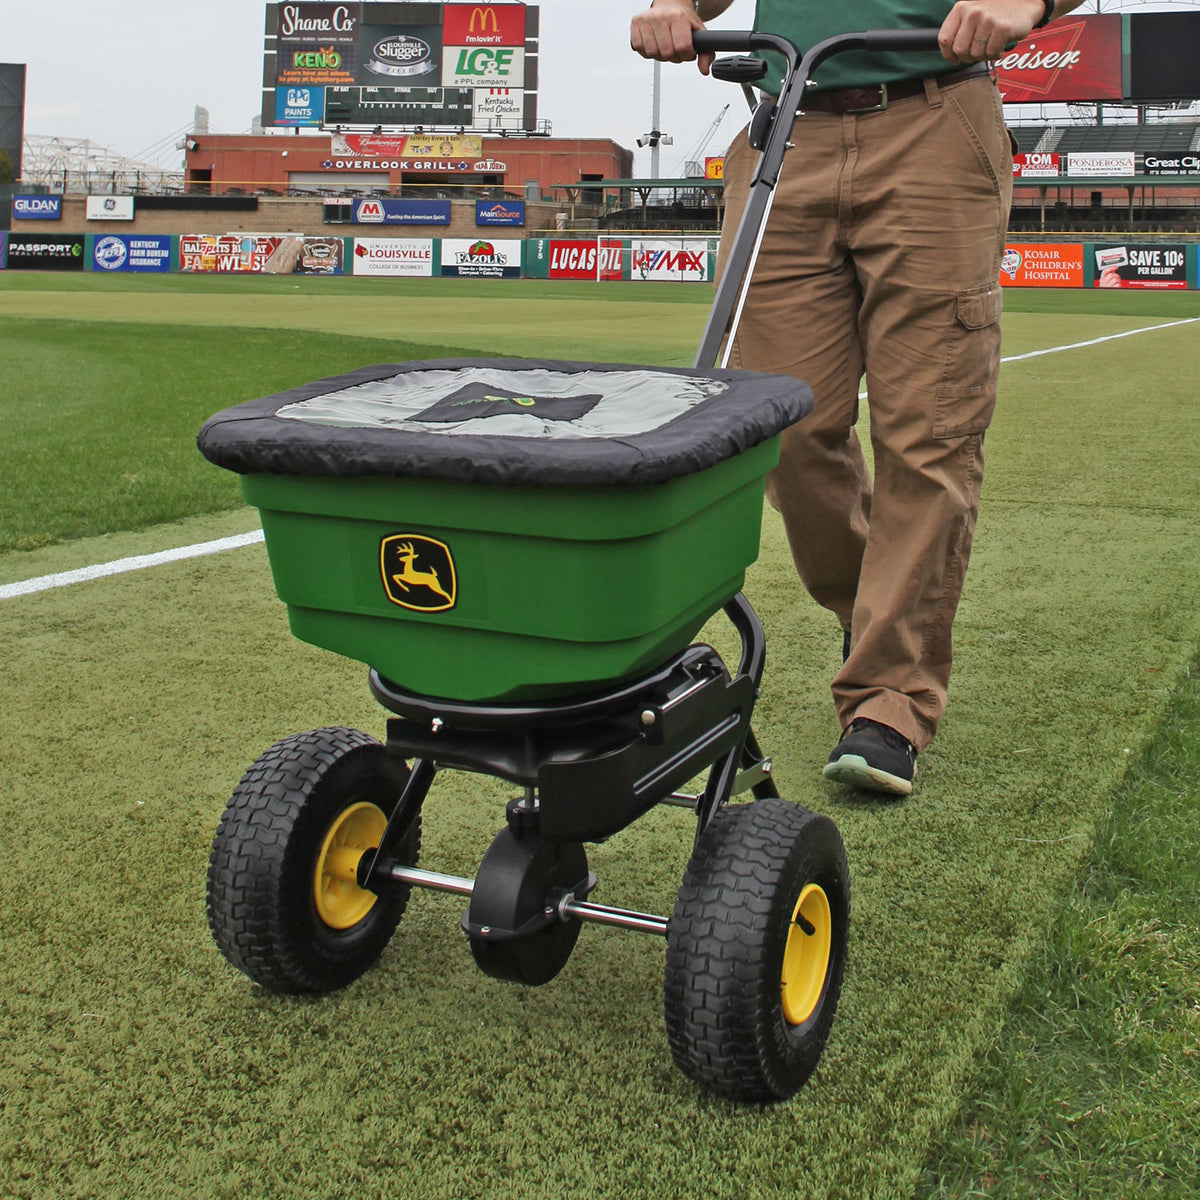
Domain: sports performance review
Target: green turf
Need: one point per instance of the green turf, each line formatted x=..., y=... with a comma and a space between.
x=137, y=1062
x=1091, y=1089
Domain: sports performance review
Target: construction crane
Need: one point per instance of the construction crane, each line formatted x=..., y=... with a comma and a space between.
x=693, y=164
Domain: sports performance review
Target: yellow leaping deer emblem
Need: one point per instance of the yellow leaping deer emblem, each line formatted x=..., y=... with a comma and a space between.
x=409, y=574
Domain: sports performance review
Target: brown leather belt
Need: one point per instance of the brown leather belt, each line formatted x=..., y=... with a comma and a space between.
x=879, y=95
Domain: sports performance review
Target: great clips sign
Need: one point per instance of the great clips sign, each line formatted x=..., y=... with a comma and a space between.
x=1072, y=59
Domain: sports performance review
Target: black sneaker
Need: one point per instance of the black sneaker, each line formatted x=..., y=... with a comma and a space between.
x=873, y=756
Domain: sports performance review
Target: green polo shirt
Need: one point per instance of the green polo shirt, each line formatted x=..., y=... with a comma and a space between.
x=807, y=22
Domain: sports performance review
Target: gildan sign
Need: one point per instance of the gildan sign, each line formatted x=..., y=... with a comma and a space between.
x=585, y=260
x=393, y=257
x=1038, y=264
x=1141, y=266
x=118, y=252
x=1072, y=59
x=37, y=208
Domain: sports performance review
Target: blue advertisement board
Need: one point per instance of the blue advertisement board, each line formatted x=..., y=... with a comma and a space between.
x=299, y=105
x=401, y=212
x=3, y=249
x=128, y=252
x=499, y=212
x=37, y=208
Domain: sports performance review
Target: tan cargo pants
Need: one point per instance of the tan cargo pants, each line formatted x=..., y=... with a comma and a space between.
x=883, y=255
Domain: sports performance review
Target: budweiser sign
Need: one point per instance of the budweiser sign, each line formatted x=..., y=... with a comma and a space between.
x=1067, y=61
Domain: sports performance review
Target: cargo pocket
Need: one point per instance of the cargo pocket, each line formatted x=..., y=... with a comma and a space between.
x=966, y=396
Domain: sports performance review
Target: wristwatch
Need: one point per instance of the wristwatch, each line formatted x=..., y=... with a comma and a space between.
x=1046, y=16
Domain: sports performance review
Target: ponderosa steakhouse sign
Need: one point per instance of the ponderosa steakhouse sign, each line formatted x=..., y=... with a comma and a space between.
x=1072, y=59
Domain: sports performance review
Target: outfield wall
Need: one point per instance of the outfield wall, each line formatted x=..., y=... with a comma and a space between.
x=1157, y=265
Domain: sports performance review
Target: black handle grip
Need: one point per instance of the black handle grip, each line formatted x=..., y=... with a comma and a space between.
x=721, y=41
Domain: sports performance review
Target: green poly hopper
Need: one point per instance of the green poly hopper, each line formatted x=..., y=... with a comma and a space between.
x=506, y=529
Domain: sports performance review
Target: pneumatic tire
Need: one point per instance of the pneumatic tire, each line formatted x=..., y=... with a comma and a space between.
x=284, y=905
x=756, y=950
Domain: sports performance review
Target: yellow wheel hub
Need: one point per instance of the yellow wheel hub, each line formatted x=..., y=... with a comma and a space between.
x=806, y=955
x=340, y=901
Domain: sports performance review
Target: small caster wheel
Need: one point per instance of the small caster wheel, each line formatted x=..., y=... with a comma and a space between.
x=756, y=949
x=284, y=904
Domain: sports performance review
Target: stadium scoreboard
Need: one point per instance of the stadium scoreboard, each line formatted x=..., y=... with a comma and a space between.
x=379, y=65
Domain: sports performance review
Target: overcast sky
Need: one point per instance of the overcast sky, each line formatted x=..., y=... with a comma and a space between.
x=128, y=74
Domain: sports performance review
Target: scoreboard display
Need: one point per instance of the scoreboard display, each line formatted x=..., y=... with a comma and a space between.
x=379, y=65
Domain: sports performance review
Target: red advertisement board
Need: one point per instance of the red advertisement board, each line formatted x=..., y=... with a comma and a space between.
x=585, y=260
x=1042, y=264
x=1036, y=164
x=483, y=25
x=1072, y=59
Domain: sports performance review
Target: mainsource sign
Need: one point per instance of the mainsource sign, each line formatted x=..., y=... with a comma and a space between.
x=120, y=252
x=393, y=257
x=1072, y=59
x=45, y=252
x=1141, y=266
x=401, y=212
x=1037, y=264
x=37, y=208
x=499, y=212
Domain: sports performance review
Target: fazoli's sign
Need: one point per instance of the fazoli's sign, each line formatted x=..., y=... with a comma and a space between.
x=1070, y=60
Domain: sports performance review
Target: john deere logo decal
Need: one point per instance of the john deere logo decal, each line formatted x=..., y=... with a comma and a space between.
x=480, y=400
x=418, y=572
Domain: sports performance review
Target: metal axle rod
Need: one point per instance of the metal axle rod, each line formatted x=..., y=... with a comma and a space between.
x=568, y=908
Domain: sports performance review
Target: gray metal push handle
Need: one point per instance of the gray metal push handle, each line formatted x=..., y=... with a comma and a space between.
x=743, y=252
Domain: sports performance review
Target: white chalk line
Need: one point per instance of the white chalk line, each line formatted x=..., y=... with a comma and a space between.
x=119, y=566
x=140, y=562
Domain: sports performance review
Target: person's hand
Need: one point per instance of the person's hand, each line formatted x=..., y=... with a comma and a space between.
x=979, y=30
x=1110, y=277
x=664, y=31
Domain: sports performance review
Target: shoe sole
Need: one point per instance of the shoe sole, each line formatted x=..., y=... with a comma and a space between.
x=854, y=771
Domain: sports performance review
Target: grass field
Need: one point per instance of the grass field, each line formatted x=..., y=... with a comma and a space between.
x=1035, y=901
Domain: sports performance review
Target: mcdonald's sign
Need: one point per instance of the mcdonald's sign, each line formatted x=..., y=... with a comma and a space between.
x=483, y=25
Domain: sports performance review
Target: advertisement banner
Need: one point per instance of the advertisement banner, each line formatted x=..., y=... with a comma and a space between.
x=500, y=212
x=1075, y=58
x=45, y=251
x=298, y=105
x=1041, y=264
x=585, y=260
x=1141, y=266
x=1176, y=164
x=678, y=260
x=400, y=57
x=317, y=44
x=123, y=252
x=1035, y=165
x=482, y=66
x=401, y=212
x=481, y=259
x=714, y=168
x=260, y=254
x=1097, y=164
x=3, y=249
x=484, y=24
x=503, y=106
x=109, y=208
x=37, y=208
x=393, y=256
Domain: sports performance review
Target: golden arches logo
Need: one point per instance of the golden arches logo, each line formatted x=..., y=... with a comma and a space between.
x=488, y=21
